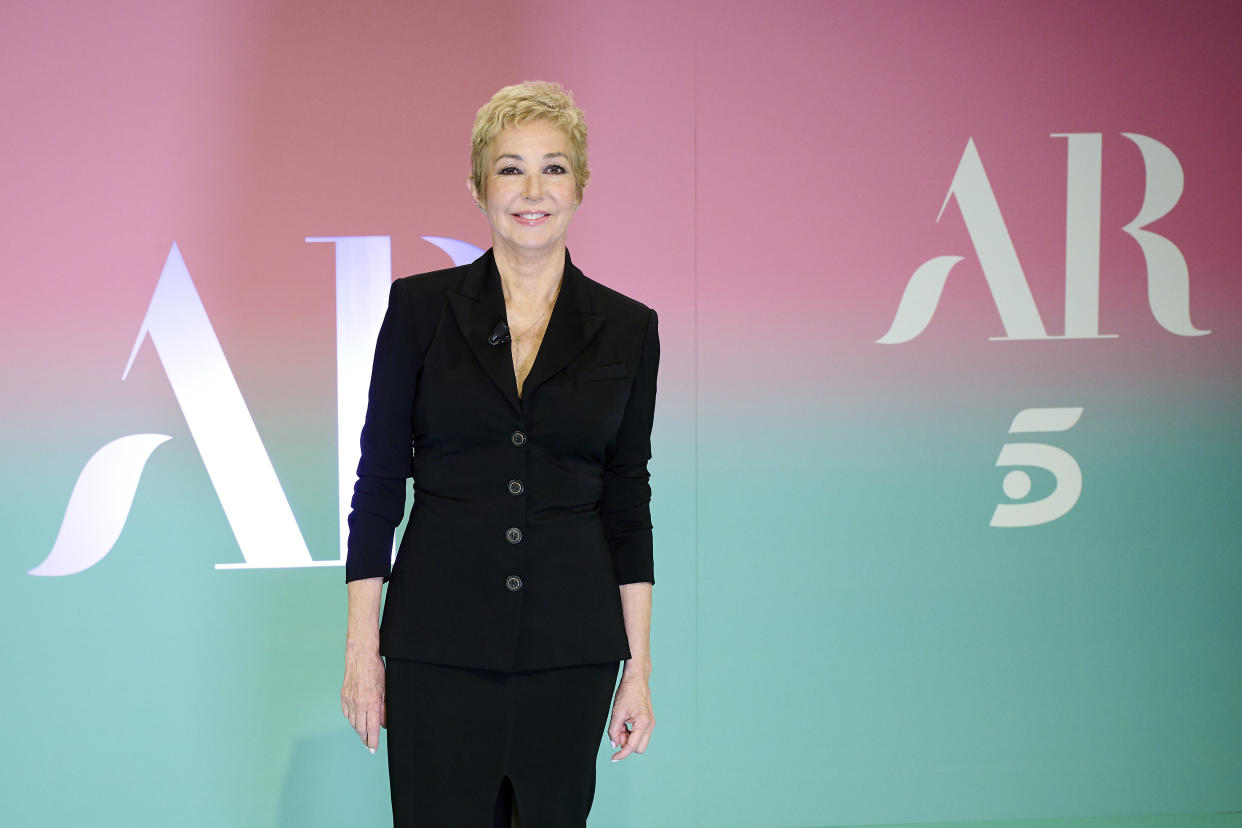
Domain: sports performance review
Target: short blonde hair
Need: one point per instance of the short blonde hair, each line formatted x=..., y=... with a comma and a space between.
x=520, y=104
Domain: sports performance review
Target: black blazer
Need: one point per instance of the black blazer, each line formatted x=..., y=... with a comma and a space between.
x=528, y=513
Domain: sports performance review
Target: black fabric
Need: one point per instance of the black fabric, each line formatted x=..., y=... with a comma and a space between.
x=486, y=577
x=456, y=733
x=503, y=815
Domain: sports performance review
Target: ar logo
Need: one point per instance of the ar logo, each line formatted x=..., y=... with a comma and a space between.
x=220, y=424
x=1168, y=279
x=1067, y=476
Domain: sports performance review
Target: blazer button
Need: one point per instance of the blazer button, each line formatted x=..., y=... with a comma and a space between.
x=516, y=487
x=514, y=535
x=518, y=438
x=514, y=583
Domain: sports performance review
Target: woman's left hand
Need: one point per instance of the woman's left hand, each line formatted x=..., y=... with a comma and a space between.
x=632, y=705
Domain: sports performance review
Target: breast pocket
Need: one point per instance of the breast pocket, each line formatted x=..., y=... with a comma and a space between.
x=617, y=370
x=583, y=408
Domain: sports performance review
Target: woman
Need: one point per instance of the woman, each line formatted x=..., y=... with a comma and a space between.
x=526, y=392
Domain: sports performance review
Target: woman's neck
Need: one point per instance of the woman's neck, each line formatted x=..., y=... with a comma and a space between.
x=532, y=279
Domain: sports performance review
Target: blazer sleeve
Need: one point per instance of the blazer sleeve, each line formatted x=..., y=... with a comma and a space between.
x=378, y=503
x=625, y=506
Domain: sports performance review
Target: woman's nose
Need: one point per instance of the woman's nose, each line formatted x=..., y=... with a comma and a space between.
x=534, y=187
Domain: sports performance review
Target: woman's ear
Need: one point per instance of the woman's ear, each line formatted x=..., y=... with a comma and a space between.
x=474, y=193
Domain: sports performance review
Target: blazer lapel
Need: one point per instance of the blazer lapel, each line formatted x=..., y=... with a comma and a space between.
x=478, y=306
x=570, y=328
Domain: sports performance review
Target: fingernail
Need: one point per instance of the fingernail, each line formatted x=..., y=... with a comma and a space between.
x=372, y=750
x=611, y=742
x=615, y=761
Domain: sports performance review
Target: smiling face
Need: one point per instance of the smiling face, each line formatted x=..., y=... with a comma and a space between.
x=530, y=195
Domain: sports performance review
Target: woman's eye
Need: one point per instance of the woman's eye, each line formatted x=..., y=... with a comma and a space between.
x=554, y=169
x=509, y=171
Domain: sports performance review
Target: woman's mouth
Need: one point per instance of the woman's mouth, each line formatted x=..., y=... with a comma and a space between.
x=530, y=219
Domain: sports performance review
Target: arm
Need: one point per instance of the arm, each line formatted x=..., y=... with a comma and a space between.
x=386, y=458
x=626, y=512
x=625, y=506
x=378, y=506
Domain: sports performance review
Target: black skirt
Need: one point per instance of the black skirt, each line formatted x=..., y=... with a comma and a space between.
x=456, y=733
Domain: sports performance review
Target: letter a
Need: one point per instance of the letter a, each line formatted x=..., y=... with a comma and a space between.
x=997, y=257
x=219, y=422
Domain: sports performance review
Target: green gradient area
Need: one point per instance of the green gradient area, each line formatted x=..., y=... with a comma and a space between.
x=156, y=689
x=891, y=658
x=153, y=689
x=838, y=636
x=1149, y=821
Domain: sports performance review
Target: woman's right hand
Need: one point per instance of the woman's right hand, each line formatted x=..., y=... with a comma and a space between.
x=362, y=694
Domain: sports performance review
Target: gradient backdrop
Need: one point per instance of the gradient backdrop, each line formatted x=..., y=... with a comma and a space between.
x=840, y=637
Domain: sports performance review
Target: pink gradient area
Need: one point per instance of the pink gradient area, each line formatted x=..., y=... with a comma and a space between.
x=238, y=129
x=767, y=176
x=828, y=135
